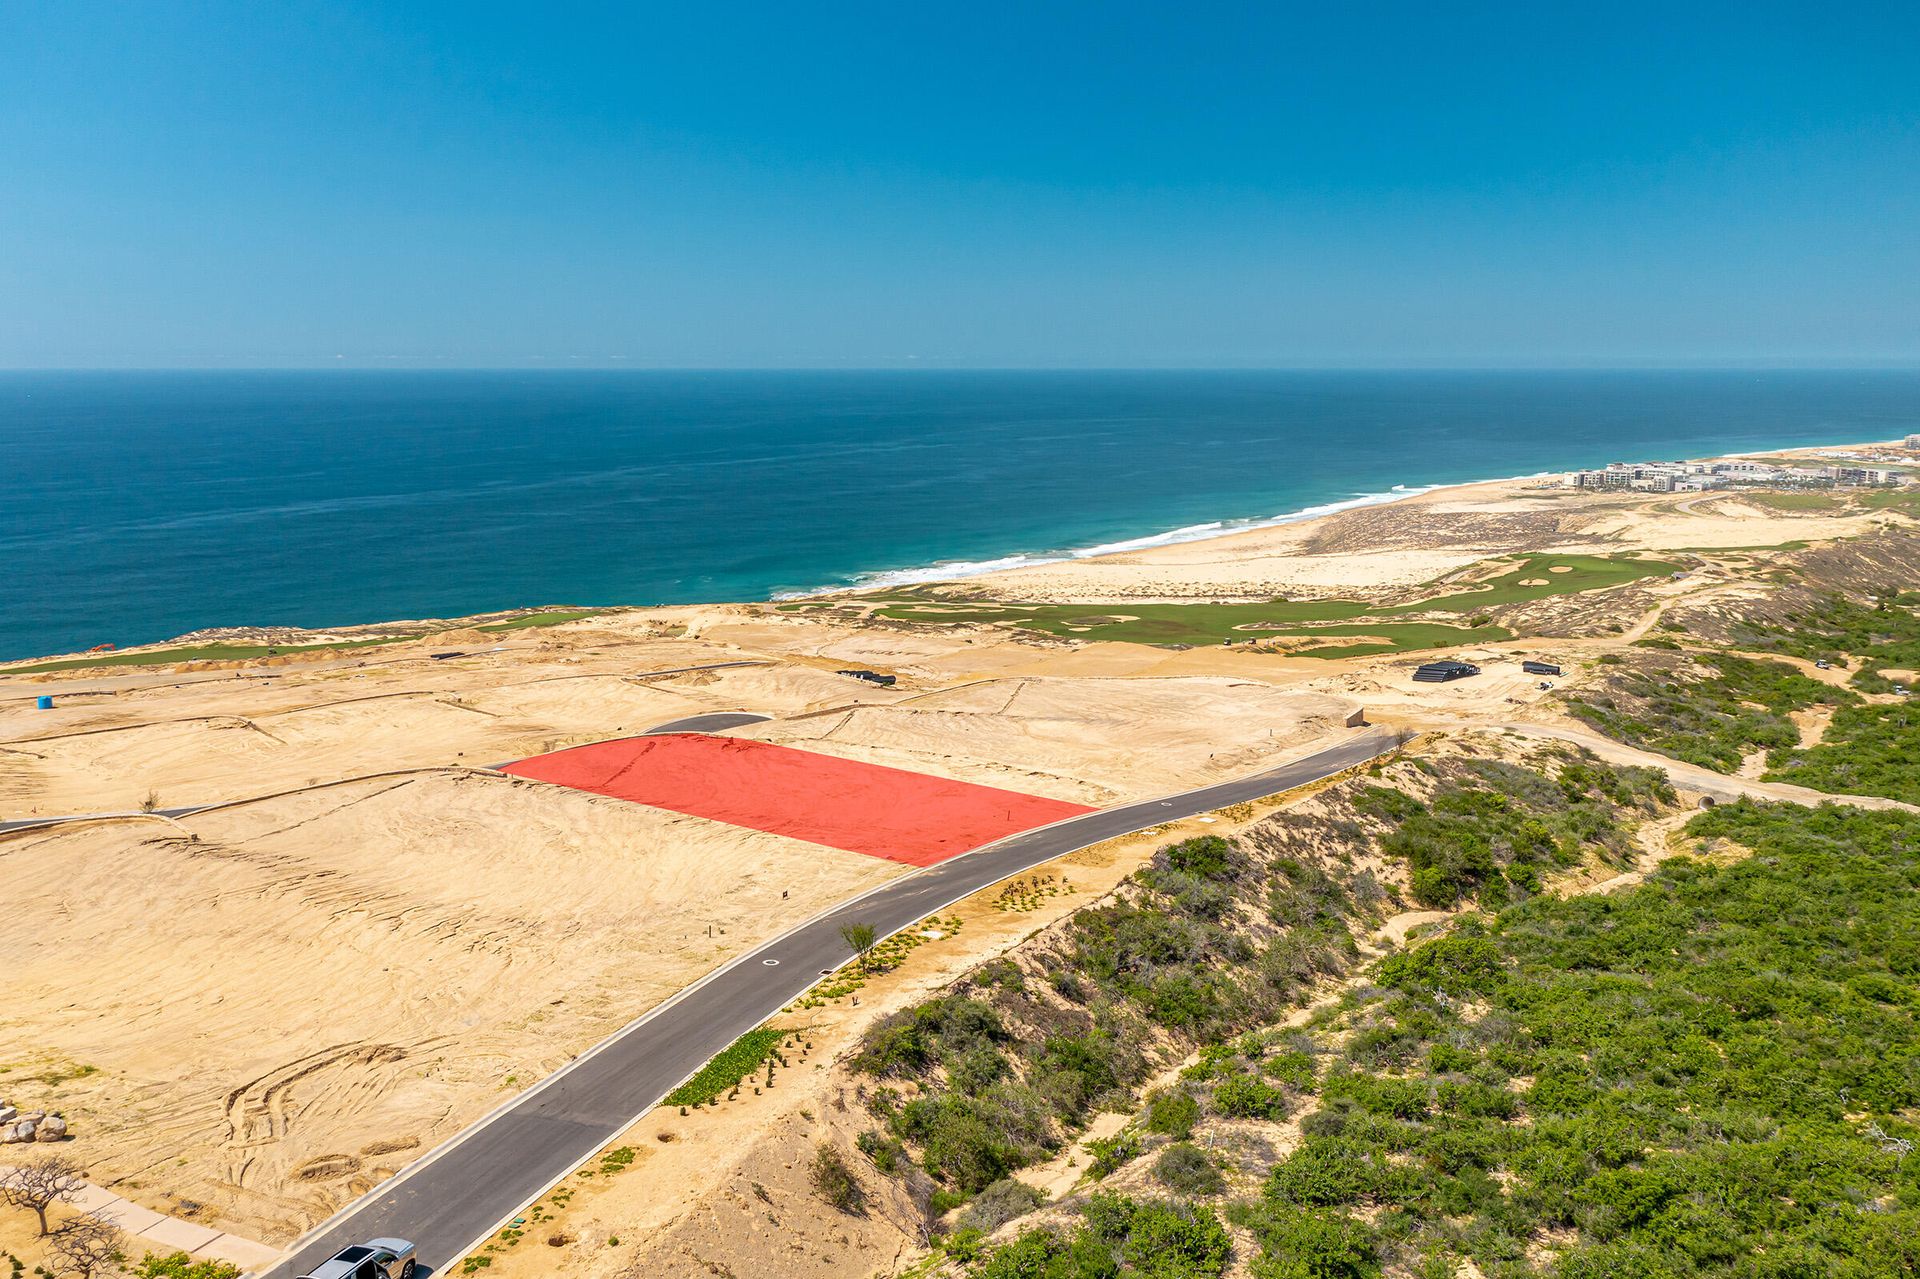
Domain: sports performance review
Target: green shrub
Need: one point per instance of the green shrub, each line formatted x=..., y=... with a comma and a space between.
x=179, y=1265
x=834, y=1182
x=1108, y=1153
x=1176, y=1241
x=889, y=1156
x=1185, y=1169
x=1453, y=964
x=1118, y=1237
x=1710, y=709
x=1310, y=1244
x=1867, y=750
x=1715, y=1070
x=1249, y=1097
x=1000, y=1203
x=1205, y=856
x=1173, y=1113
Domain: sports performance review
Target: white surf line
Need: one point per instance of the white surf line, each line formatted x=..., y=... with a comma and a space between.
x=954, y=570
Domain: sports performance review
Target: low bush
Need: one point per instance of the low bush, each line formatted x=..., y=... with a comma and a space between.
x=1119, y=1237
x=1185, y=1169
x=1172, y=1113
x=1000, y=1203
x=1711, y=1077
x=834, y=1181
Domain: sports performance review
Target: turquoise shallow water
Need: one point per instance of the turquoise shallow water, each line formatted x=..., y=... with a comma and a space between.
x=136, y=506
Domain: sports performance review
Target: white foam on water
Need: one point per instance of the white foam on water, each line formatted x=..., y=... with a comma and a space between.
x=949, y=570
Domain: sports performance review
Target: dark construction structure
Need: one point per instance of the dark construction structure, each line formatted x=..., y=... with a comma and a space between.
x=872, y=677
x=1442, y=671
x=1539, y=668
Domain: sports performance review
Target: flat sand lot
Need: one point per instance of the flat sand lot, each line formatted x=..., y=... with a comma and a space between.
x=1087, y=740
x=278, y=1003
x=282, y=1000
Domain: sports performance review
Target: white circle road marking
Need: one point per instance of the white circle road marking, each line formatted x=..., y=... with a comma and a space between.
x=771, y=963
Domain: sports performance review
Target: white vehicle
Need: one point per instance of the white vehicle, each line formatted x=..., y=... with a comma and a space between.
x=375, y=1259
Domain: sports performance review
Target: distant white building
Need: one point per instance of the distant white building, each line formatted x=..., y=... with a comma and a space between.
x=1913, y=441
x=1867, y=475
x=1744, y=470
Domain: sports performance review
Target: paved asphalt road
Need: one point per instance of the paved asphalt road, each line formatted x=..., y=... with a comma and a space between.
x=713, y=723
x=28, y=823
x=466, y=1189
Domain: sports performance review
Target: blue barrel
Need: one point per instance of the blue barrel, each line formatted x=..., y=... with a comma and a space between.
x=46, y=702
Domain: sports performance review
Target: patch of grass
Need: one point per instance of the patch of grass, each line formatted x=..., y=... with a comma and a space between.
x=178, y=1265
x=1796, y=501
x=742, y=1058
x=551, y=617
x=1202, y=624
x=66, y=1074
x=1904, y=500
x=198, y=653
x=1562, y=575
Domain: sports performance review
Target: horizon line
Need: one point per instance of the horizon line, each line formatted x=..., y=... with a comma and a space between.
x=604, y=366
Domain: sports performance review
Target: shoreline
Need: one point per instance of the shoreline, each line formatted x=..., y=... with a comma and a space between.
x=960, y=570
x=1220, y=530
x=1223, y=532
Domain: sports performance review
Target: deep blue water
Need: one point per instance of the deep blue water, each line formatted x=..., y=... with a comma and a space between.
x=138, y=506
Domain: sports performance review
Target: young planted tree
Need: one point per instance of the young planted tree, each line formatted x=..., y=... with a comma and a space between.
x=859, y=939
x=39, y=1185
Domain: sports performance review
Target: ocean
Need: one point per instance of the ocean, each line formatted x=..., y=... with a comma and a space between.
x=138, y=506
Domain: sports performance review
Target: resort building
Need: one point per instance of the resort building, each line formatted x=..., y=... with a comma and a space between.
x=1863, y=475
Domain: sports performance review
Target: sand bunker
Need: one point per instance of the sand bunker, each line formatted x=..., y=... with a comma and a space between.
x=862, y=808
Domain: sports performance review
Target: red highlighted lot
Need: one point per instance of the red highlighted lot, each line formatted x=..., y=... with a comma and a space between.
x=862, y=808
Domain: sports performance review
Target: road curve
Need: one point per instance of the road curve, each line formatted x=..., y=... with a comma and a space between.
x=714, y=723
x=33, y=823
x=453, y=1199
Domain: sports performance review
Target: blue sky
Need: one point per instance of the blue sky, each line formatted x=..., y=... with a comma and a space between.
x=879, y=185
